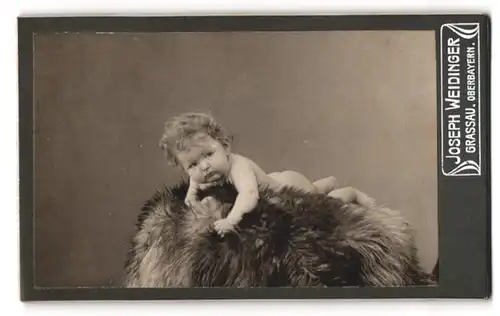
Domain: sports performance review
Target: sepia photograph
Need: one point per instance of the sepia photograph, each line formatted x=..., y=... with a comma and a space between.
x=247, y=158
x=324, y=144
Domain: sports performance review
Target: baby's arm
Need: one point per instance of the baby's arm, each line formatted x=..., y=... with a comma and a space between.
x=245, y=181
x=191, y=195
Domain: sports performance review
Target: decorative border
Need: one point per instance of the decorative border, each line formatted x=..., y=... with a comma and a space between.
x=463, y=206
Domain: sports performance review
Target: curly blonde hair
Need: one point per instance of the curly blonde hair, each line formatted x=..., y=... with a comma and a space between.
x=182, y=127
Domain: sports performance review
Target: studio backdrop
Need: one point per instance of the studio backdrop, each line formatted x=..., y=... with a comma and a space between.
x=356, y=105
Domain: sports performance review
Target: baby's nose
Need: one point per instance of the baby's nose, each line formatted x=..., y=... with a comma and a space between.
x=204, y=165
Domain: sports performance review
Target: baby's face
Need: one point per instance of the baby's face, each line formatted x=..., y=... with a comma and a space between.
x=204, y=159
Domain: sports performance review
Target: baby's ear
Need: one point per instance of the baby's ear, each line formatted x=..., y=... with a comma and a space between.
x=226, y=142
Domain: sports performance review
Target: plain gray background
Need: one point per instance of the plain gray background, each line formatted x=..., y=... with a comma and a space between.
x=358, y=105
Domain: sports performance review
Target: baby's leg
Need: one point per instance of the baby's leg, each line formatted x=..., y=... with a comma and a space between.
x=293, y=179
x=351, y=195
x=328, y=184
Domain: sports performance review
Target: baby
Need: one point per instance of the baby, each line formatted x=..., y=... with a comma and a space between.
x=202, y=148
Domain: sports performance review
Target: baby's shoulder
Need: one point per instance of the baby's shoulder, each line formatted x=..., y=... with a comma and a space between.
x=244, y=164
x=241, y=160
x=239, y=157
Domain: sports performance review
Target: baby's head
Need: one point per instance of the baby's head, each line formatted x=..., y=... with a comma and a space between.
x=198, y=144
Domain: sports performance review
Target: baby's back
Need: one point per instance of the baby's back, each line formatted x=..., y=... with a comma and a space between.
x=277, y=180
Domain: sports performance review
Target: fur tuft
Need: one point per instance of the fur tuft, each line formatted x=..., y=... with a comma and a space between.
x=291, y=239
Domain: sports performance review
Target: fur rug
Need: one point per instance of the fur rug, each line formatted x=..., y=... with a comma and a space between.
x=290, y=239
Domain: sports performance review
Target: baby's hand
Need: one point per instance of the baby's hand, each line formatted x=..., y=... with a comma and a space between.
x=207, y=185
x=224, y=225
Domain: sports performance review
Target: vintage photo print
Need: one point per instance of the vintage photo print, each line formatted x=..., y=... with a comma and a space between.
x=210, y=155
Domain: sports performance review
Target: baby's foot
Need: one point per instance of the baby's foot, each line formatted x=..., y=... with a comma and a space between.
x=223, y=226
x=365, y=200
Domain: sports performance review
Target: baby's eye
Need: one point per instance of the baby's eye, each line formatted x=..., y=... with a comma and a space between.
x=192, y=165
x=209, y=154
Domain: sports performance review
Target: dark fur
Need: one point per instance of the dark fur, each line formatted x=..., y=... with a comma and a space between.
x=290, y=239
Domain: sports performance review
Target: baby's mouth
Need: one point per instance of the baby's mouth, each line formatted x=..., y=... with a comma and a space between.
x=210, y=175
